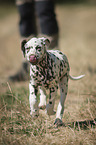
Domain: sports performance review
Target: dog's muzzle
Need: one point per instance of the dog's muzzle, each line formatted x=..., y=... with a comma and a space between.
x=33, y=59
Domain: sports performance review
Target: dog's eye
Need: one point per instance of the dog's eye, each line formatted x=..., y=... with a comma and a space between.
x=27, y=49
x=38, y=48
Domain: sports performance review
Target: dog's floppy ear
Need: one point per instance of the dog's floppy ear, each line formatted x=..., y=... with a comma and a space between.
x=22, y=46
x=47, y=41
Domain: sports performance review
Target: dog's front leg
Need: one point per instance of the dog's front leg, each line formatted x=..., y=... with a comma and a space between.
x=50, y=105
x=34, y=111
x=42, y=104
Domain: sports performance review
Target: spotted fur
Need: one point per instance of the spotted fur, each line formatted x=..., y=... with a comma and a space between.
x=48, y=69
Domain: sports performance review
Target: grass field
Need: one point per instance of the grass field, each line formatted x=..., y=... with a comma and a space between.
x=77, y=25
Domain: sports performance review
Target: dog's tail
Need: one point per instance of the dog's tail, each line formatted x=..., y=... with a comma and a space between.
x=76, y=78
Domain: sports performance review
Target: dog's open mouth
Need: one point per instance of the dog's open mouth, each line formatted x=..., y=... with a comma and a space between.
x=33, y=59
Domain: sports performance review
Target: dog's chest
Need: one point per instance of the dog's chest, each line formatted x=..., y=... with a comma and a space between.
x=44, y=76
x=49, y=71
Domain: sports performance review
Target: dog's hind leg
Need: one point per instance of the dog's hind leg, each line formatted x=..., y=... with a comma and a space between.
x=63, y=93
x=52, y=96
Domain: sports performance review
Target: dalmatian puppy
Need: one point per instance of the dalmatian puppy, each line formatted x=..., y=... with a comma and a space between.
x=48, y=69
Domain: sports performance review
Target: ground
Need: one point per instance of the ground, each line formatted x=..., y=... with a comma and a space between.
x=77, y=40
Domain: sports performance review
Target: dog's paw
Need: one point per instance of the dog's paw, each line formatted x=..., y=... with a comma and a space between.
x=35, y=117
x=58, y=122
x=42, y=107
x=49, y=109
x=50, y=112
x=34, y=114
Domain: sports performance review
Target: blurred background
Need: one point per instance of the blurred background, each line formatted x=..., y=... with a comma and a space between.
x=77, y=36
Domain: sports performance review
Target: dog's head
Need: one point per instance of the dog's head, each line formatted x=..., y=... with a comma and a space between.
x=34, y=49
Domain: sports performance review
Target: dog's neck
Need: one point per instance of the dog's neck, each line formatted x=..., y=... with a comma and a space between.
x=44, y=62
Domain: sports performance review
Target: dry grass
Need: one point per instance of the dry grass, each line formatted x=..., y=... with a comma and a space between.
x=78, y=41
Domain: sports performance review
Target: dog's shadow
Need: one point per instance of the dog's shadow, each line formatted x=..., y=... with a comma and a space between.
x=86, y=124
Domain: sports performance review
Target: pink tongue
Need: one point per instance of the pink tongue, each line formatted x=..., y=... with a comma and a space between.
x=32, y=59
